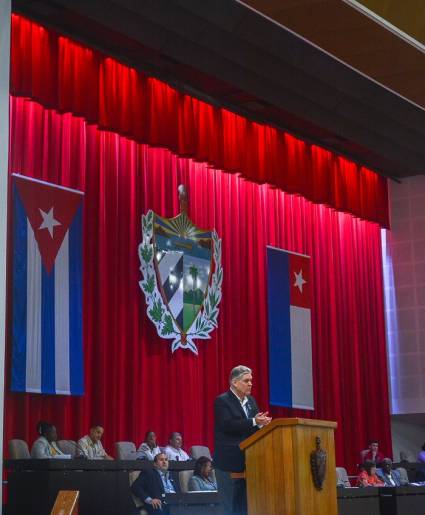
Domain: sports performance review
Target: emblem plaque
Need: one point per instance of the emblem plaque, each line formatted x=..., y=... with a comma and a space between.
x=182, y=276
x=318, y=461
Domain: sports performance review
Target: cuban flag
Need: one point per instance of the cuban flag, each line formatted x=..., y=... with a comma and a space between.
x=289, y=313
x=47, y=353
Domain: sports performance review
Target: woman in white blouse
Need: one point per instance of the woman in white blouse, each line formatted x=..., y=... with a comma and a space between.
x=45, y=446
x=202, y=479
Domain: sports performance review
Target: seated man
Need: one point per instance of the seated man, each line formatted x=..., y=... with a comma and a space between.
x=386, y=473
x=174, y=449
x=148, y=449
x=45, y=446
x=152, y=485
x=372, y=453
x=90, y=445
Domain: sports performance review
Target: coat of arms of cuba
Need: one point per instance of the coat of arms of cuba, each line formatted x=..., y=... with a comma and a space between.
x=182, y=276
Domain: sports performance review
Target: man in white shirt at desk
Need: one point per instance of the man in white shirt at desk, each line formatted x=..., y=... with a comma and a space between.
x=91, y=446
x=174, y=449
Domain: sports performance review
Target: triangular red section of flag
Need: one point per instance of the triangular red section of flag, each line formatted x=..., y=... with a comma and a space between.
x=299, y=280
x=50, y=210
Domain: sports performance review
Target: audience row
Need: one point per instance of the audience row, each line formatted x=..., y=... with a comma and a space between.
x=376, y=470
x=90, y=446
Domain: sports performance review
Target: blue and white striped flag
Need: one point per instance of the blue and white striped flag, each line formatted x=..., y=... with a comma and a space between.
x=290, y=352
x=47, y=333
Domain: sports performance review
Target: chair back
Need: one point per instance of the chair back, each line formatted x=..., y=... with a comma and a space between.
x=18, y=450
x=403, y=476
x=125, y=451
x=199, y=450
x=184, y=478
x=342, y=477
x=68, y=447
x=132, y=476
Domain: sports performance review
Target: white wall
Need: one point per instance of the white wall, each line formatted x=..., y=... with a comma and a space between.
x=404, y=275
x=408, y=435
x=4, y=146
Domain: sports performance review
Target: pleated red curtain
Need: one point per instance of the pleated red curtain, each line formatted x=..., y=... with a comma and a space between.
x=133, y=382
x=69, y=77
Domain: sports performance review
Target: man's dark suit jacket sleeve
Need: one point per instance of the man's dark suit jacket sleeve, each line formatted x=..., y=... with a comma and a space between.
x=143, y=487
x=226, y=420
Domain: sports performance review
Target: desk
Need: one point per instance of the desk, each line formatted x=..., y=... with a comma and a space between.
x=103, y=486
x=402, y=500
x=358, y=501
x=195, y=503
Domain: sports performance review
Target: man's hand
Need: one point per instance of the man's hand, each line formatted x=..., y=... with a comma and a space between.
x=156, y=503
x=262, y=419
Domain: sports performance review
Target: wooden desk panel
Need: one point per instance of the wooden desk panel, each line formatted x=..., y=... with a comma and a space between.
x=358, y=501
x=103, y=485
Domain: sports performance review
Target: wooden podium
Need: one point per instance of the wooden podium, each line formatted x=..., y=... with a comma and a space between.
x=278, y=474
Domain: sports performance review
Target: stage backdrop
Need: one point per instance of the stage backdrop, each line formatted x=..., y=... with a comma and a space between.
x=132, y=381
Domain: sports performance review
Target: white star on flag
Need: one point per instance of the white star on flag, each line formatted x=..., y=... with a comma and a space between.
x=299, y=280
x=48, y=221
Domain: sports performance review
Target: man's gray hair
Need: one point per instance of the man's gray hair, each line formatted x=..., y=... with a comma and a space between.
x=238, y=372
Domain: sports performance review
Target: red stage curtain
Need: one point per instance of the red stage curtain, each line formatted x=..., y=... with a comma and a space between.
x=69, y=77
x=133, y=382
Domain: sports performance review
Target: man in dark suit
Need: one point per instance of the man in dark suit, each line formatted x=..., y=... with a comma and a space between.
x=152, y=485
x=387, y=474
x=236, y=417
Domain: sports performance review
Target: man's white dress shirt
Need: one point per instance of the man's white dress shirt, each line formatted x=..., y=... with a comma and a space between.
x=176, y=454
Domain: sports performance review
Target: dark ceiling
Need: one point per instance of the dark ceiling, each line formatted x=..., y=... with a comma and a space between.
x=226, y=53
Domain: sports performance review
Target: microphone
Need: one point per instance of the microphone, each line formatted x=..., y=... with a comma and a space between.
x=81, y=456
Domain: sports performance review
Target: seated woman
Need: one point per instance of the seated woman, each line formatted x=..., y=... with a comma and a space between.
x=368, y=477
x=149, y=448
x=45, y=446
x=201, y=479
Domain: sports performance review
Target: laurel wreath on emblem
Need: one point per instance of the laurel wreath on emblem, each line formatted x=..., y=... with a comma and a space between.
x=158, y=312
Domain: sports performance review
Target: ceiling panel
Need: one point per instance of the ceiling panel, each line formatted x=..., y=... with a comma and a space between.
x=359, y=40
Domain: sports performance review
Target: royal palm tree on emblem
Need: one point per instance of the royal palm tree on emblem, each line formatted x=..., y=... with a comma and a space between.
x=193, y=271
